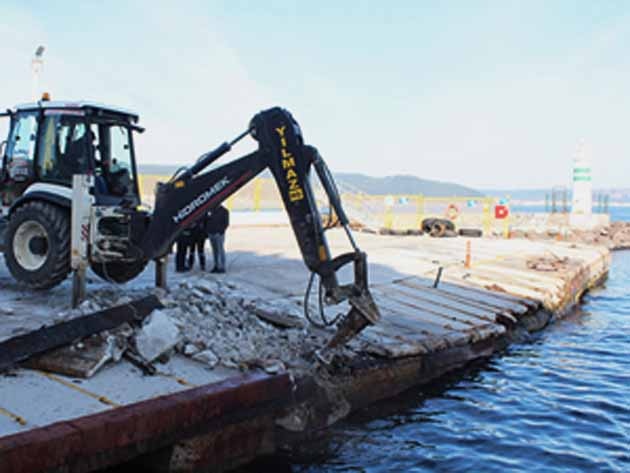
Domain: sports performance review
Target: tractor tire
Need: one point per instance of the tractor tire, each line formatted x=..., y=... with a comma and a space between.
x=438, y=229
x=470, y=232
x=449, y=224
x=37, y=244
x=118, y=271
x=427, y=224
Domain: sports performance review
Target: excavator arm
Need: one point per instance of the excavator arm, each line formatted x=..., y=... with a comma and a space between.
x=191, y=193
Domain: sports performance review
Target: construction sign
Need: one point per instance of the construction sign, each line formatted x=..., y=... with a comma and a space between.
x=501, y=212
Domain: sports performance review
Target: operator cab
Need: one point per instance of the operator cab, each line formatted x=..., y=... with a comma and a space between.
x=49, y=142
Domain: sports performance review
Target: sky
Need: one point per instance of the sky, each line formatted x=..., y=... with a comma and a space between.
x=490, y=94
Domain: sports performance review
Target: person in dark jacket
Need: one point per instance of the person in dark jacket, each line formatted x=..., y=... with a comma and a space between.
x=198, y=243
x=184, y=242
x=216, y=225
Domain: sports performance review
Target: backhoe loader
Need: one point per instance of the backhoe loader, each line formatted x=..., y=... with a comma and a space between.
x=50, y=143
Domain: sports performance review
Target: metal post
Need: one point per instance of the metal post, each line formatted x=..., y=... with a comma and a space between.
x=161, y=265
x=80, y=234
x=258, y=184
x=438, y=277
x=467, y=260
x=78, y=287
x=506, y=220
x=419, y=211
x=565, y=200
x=229, y=204
x=388, y=216
x=487, y=215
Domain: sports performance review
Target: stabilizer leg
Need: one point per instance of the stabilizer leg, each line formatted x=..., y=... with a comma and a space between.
x=161, y=265
x=79, y=235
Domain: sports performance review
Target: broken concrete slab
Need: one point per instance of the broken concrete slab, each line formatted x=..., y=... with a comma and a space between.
x=158, y=335
x=278, y=318
x=83, y=359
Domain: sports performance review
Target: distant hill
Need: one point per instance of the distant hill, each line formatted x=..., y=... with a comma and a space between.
x=402, y=184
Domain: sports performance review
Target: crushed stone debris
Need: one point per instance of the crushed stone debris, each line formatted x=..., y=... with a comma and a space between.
x=207, y=357
x=547, y=264
x=220, y=319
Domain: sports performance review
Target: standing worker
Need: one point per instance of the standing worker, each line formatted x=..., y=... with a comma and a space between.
x=217, y=223
x=184, y=243
x=198, y=243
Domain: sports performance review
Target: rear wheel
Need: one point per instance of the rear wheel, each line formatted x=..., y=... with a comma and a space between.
x=118, y=271
x=37, y=244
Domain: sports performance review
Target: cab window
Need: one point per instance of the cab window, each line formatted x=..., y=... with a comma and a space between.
x=23, y=137
x=65, y=145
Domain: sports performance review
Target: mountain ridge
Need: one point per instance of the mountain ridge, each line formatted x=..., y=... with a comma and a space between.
x=357, y=182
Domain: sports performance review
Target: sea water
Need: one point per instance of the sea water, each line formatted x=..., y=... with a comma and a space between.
x=558, y=401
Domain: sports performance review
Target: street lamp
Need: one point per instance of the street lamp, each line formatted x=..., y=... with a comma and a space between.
x=37, y=64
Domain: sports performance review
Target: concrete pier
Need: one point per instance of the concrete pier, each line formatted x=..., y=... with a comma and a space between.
x=190, y=416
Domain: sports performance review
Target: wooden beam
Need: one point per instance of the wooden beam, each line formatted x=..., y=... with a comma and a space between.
x=23, y=347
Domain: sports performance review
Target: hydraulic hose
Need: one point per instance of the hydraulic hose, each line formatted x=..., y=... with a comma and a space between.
x=330, y=187
x=307, y=313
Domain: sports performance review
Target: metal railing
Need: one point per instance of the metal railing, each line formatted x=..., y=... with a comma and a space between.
x=391, y=212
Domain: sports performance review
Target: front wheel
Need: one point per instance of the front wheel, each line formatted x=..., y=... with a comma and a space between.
x=37, y=244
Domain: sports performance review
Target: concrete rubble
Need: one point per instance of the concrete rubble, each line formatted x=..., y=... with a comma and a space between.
x=220, y=326
x=616, y=236
x=158, y=335
x=216, y=323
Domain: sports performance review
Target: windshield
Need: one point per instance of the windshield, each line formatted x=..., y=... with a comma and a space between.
x=23, y=136
x=64, y=148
